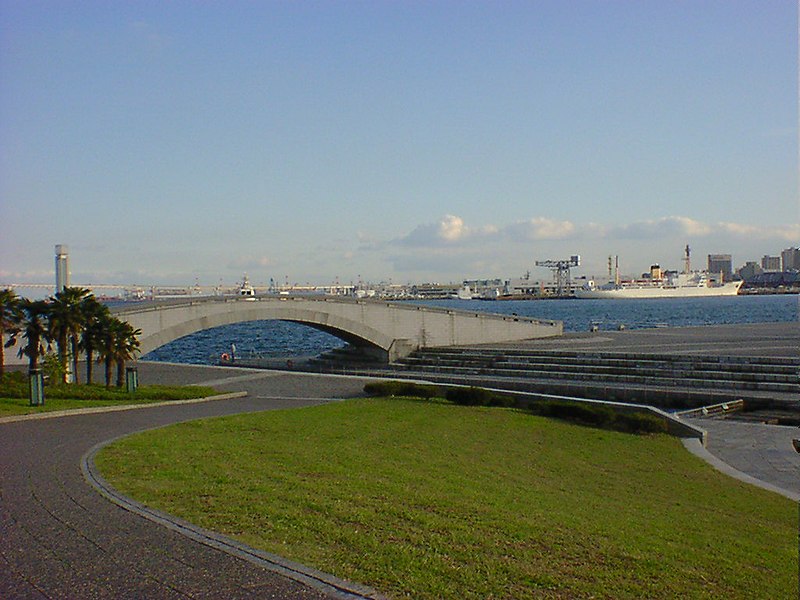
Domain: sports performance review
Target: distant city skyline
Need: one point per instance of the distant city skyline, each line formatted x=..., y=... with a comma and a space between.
x=62, y=274
x=412, y=142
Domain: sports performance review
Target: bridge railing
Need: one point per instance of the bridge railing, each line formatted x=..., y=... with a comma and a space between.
x=153, y=305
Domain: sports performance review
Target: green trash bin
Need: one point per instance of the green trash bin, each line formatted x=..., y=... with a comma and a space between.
x=131, y=379
x=36, y=380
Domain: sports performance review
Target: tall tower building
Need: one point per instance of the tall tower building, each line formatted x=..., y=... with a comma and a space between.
x=721, y=263
x=771, y=263
x=62, y=267
x=791, y=259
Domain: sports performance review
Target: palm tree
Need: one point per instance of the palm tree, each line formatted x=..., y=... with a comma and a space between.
x=10, y=318
x=126, y=348
x=95, y=315
x=66, y=323
x=118, y=344
x=34, y=329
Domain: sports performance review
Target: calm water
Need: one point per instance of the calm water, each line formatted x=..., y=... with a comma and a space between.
x=283, y=339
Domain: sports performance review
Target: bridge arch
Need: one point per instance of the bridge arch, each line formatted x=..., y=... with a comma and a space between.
x=388, y=330
x=348, y=330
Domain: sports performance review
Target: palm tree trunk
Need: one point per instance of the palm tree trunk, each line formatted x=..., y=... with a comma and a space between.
x=2, y=356
x=108, y=372
x=89, y=357
x=62, y=356
x=33, y=358
x=74, y=344
x=120, y=372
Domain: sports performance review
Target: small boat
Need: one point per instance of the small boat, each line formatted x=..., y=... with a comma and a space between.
x=465, y=293
x=246, y=290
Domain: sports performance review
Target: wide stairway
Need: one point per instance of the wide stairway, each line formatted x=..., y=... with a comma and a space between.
x=669, y=380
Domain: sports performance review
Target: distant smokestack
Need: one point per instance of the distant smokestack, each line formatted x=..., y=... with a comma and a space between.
x=62, y=267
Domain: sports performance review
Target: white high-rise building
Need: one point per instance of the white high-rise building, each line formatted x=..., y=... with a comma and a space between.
x=62, y=267
x=791, y=259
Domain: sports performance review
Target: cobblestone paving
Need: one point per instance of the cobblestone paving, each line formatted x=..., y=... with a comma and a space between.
x=762, y=451
x=61, y=539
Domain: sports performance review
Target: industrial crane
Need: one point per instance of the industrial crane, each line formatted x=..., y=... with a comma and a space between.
x=561, y=275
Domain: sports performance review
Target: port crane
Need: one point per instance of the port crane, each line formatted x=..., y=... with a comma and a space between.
x=561, y=274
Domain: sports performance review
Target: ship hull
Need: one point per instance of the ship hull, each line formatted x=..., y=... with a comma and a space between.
x=728, y=289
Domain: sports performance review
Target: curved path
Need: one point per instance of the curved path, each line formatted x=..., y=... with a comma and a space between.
x=59, y=538
x=763, y=453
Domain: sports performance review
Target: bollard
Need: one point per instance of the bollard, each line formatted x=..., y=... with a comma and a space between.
x=131, y=379
x=36, y=380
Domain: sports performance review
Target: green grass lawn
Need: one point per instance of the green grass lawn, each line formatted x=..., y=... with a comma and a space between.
x=432, y=500
x=14, y=399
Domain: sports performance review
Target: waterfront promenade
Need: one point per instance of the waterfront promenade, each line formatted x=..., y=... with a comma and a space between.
x=61, y=538
x=741, y=339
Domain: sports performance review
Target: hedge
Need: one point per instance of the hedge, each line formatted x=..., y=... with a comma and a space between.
x=595, y=415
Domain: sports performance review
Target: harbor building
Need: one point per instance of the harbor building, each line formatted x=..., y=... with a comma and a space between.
x=721, y=263
x=750, y=270
x=771, y=264
x=62, y=267
x=791, y=259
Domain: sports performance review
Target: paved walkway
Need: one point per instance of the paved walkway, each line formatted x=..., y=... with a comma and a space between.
x=61, y=539
x=764, y=452
x=747, y=339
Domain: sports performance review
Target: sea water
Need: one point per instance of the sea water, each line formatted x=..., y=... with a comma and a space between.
x=281, y=339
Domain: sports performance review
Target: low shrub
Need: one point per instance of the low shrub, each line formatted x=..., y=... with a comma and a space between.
x=476, y=396
x=589, y=414
x=15, y=385
x=469, y=396
x=13, y=377
x=583, y=413
x=402, y=388
x=597, y=415
x=640, y=423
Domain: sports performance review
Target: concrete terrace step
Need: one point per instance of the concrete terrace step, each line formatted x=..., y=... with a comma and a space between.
x=782, y=366
x=762, y=375
x=714, y=378
x=708, y=371
x=683, y=380
x=778, y=364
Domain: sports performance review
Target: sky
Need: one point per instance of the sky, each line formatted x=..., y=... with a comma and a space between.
x=404, y=141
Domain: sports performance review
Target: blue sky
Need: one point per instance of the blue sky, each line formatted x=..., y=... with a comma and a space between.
x=405, y=140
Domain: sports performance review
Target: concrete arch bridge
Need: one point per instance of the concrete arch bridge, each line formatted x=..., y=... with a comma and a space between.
x=387, y=330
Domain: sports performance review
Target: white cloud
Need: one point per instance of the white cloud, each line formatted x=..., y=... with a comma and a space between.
x=659, y=228
x=789, y=233
x=250, y=262
x=540, y=228
x=449, y=230
x=453, y=248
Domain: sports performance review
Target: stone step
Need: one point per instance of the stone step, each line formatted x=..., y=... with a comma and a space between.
x=709, y=371
x=641, y=360
x=760, y=364
x=684, y=380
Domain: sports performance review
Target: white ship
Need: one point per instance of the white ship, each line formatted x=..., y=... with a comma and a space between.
x=465, y=293
x=246, y=290
x=662, y=284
